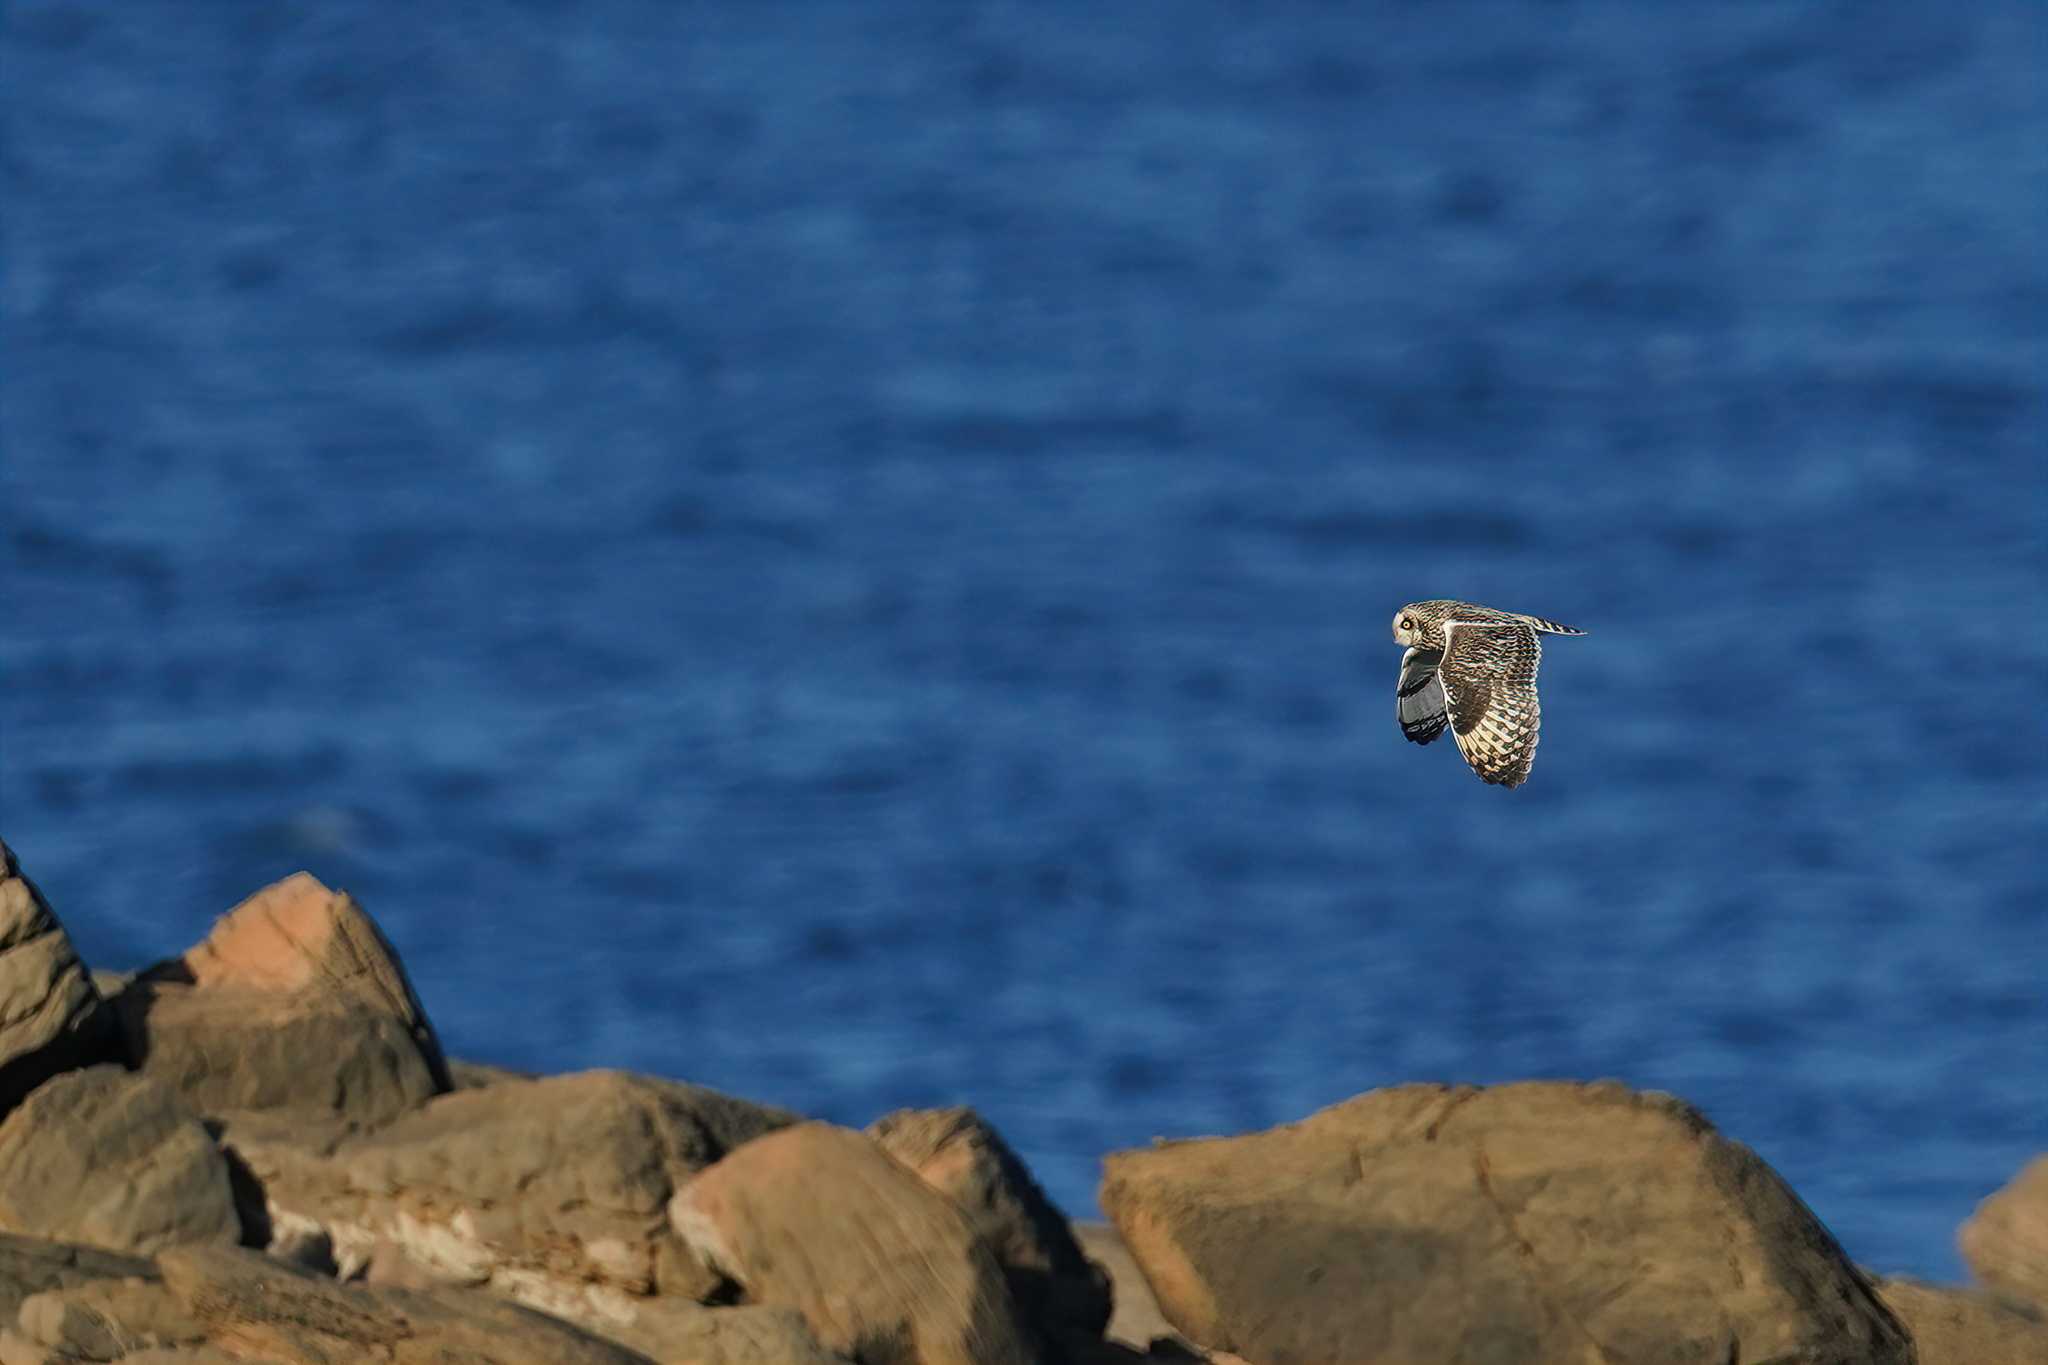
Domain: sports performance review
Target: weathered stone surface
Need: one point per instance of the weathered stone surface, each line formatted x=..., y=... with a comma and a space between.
x=1965, y=1326
x=115, y=1159
x=51, y=1018
x=108, y=1319
x=70, y=1303
x=251, y=1305
x=675, y=1332
x=29, y=1265
x=293, y=1001
x=1529, y=1223
x=958, y=1154
x=883, y=1268
x=2006, y=1239
x=551, y=1192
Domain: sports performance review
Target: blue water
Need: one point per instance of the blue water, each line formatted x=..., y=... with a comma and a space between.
x=844, y=552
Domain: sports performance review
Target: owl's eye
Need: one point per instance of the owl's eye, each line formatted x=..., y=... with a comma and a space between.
x=1407, y=623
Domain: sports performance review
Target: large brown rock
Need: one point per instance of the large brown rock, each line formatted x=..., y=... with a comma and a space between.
x=883, y=1268
x=2006, y=1239
x=115, y=1159
x=293, y=1001
x=51, y=1018
x=255, y=1307
x=1430, y=1225
x=1966, y=1326
x=552, y=1192
x=958, y=1154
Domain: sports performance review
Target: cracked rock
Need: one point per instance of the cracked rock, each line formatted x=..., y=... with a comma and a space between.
x=294, y=1001
x=1429, y=1225
x=51, y=1017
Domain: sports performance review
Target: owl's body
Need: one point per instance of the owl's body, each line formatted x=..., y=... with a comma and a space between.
x=1472, y=669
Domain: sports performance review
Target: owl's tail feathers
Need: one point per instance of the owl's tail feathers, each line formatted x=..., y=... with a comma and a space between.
x=1552, y=627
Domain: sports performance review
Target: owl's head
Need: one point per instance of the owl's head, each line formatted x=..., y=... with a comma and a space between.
x=1409, y=626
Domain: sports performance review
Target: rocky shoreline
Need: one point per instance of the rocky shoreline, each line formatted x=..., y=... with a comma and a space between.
x=257, y=1151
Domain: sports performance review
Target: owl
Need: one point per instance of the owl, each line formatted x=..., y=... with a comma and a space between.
x=1474, y=669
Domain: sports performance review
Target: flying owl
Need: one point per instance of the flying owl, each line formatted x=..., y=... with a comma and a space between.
x=1474, y=669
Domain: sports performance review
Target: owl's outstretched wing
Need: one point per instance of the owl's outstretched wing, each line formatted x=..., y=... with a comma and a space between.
x=1419, y=696
x=1489, y=682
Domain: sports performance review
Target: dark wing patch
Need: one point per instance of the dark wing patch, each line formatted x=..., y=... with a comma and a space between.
x=1419, y=696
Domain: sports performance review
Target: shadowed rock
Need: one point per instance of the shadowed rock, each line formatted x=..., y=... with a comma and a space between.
x=51, y=1017
x=2006, y=1239
x=959, y=1155
x=116, y=1159
x=293, y=1001
x=883, y=1268
x=1136, y=1321
x=1426, y=1225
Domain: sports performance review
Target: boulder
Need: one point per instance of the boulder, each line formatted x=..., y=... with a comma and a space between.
x=115, y=1159
x=882, y=1267
x=959, y=1155
x=1966, y=1326
x=293, y=1001
x=51, y=1017
x=551, y=1192
x=2006, y=1239
x=1537, y=1222
x=253, y=1306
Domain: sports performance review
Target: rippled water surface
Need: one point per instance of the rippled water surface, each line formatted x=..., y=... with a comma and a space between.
x=844, y=552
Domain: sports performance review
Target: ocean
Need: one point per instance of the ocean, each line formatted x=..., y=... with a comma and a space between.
x=844, y=553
